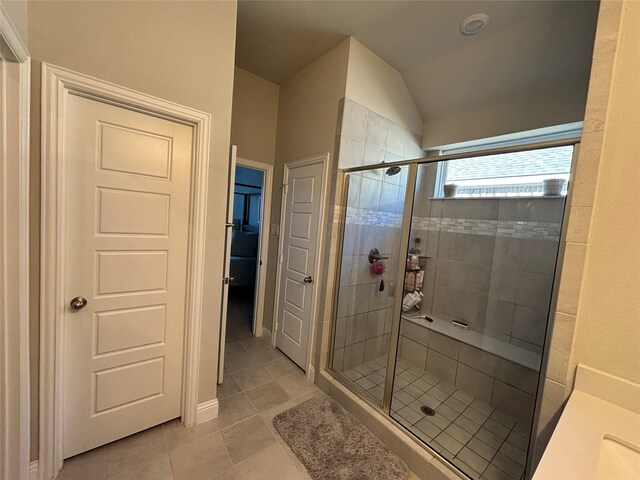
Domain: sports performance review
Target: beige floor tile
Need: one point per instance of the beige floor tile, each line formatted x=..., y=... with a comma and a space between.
x=474, y=415
x=234, y=409
x=143, y=447
x=518, y=440
x=230, y=474
x=455, y=404
x=489, y=438
x=272, y=463
x=267, y=396
x=442, y=450
x=514, y=453
x=238, y=360
x=459, y=433
x=472, y=459
x=296, y=385
x=201, y=459
x=252, y=377
x=494, y=473
x=448, y=412
x=503, y=419
x=505, y=464
x=448, y=442
x=466, y=468
x=254, y=342
x=228, y=387
x=484, y=450
x=495, y=427
x=467, y=424
x=281, y=367
x=299, y=465
x=429, y=428
x=233, y=347
x=177, y=434
x=266, y=353
x=247, y=438
x=158, y=469
x=91, y=464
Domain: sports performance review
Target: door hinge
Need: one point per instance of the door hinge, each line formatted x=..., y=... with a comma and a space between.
x=286, y=188
x=281, y=258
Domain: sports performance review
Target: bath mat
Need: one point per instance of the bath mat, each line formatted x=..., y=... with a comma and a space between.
x=333, y=445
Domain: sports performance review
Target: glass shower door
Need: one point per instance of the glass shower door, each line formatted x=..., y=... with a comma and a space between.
x=474, y=309
x=371, y=249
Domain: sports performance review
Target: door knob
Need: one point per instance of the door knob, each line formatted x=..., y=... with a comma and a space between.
x=308, y=279
x=78, y=303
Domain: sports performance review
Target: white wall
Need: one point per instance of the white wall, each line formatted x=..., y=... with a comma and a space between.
x=608, y=322
x=17, y=11
x=308, y=115
x=255, y=116
x=544, y=108
x=179, y=51
x=483, y=90
x=376, y=85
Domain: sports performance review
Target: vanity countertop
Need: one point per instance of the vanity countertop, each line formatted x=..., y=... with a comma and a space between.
x=601, y=407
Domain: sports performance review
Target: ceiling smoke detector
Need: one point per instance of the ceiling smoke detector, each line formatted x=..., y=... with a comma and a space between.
x=474, y=24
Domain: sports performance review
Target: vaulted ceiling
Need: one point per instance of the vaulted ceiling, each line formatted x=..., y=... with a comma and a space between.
x=527, y=45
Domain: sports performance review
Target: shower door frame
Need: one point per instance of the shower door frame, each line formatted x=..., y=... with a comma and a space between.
x=407, y=215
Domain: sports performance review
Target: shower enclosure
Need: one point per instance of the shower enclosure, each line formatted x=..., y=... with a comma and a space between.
x=446, y=282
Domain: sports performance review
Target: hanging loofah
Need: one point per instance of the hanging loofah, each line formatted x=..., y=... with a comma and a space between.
x=377, y=268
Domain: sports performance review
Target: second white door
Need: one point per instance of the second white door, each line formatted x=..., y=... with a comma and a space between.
x=127, y=192
x=300, y=232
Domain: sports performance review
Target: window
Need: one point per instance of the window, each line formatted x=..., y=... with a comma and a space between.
x=517, y=174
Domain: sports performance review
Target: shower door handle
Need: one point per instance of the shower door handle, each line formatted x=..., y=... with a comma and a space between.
x=308, y=279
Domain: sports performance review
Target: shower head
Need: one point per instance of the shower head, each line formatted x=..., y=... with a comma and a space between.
x=391, y=171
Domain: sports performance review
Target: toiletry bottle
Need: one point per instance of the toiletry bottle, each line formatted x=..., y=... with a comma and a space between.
x=417, y=246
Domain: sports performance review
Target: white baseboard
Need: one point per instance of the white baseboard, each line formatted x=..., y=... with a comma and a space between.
x=312, y=374
x=266, y=334
x=207, y=411
x=33, y=470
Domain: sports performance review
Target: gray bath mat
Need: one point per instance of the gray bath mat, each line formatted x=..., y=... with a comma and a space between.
x=333, y=445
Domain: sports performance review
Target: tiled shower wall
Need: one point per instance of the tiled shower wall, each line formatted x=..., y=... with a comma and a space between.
x=364, y=313
x=490, y=261
x=373, y=220
x=367, y=138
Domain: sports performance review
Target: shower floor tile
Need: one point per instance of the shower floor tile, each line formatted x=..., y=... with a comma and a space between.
x=479, y=439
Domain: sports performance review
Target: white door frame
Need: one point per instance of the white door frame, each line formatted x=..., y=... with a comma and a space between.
x=263, y=242
x=57, y=84
x=324, y=160
x=15, y=401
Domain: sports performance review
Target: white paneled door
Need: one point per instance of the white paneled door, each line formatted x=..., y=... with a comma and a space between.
x=127, y=184
x=300, y=231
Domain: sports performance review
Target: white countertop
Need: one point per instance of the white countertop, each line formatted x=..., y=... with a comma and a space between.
x=595, y=410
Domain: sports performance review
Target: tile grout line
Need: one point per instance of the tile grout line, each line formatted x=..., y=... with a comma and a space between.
x=166, y=445
x=503, y=441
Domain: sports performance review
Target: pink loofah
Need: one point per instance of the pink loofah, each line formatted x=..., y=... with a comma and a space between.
x=377, y=268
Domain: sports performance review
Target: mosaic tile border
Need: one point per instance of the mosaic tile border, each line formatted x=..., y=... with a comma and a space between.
x=496, y=228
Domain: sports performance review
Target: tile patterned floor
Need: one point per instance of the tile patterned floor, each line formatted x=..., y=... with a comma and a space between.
x=482, y=441
x=241, y=443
